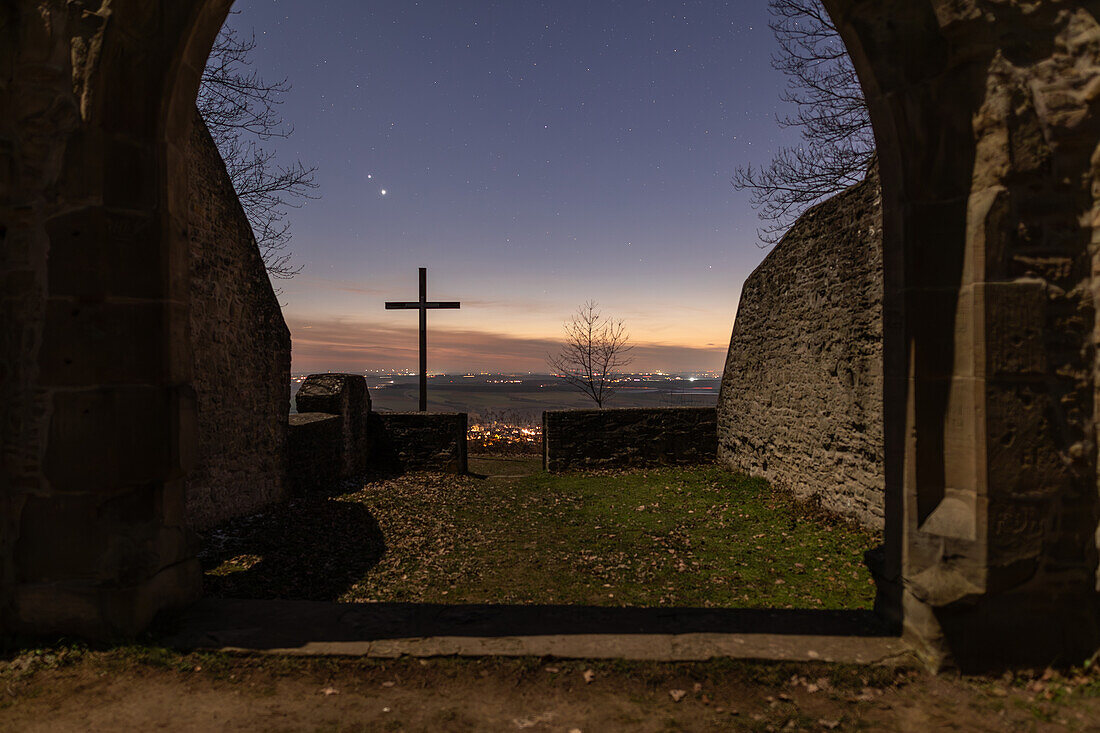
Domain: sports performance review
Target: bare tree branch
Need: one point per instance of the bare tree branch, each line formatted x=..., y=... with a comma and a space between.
x=830, y=110
x=594, y=351
x=241, y=110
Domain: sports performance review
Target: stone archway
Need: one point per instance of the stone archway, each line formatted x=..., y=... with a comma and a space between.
x=985, y=114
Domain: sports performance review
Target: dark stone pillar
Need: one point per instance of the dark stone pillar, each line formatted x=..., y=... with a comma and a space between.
x=988, y=124
x=345, y=395
x=315, y=451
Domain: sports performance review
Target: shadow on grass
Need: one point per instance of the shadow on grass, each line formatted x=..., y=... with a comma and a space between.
x=312, y=548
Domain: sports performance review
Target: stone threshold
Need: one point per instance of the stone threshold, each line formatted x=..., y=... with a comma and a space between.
x=390, y=630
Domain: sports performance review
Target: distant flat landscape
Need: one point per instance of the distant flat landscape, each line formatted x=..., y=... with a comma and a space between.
x=522, y=399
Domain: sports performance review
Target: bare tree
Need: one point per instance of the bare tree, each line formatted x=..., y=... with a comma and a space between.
x=595, y=349
x=830, y=110
x=240, y=109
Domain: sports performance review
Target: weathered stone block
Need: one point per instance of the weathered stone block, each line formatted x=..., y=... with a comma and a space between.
x=345, y=395
x=104, y=343
x=40, y=558
x=1028, y=627
x=1018, y=421
x=315, y=446
x=103, y=610
x=108, y=539
x=1016, y=534
x=1015, y=316
x=114, y=438
x=955, y=516
x=123, y=263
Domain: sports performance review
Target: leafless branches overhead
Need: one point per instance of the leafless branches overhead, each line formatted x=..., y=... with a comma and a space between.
x=241, y=111
x=830, y=111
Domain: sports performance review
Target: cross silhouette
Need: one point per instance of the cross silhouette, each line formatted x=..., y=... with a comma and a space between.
x=422, y=305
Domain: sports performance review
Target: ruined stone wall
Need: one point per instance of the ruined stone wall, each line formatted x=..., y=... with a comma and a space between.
x=315, y=443
x=622, y=437
x=241, y=352
x=419, y=441
x=345, y=395
x=801, y=397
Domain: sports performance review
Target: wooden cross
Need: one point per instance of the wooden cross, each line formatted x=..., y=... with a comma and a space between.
x=423, y=306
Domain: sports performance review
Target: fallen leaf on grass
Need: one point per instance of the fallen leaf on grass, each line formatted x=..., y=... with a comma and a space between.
x=677, y=695
x=330, y=691
x=523, y=723
x=589, y=675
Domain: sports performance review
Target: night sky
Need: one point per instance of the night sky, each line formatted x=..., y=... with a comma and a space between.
x=533, y=156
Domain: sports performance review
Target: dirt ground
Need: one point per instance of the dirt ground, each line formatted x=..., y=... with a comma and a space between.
x=146, y=689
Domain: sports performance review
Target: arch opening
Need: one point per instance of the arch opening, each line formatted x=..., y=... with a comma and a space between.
x=986, y=131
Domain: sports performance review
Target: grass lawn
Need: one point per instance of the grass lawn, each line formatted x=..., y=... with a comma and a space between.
x=510, y=533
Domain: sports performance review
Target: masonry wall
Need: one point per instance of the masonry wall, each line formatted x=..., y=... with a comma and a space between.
x=419, y=441
x=316, y=442
x=625, y=437
x=345, y=395
x=801, y=396
x=241, y=352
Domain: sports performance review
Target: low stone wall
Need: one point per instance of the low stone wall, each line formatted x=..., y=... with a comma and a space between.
x=335, y=435
x=316, y=441
x=624, y=437
x=419, y=441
